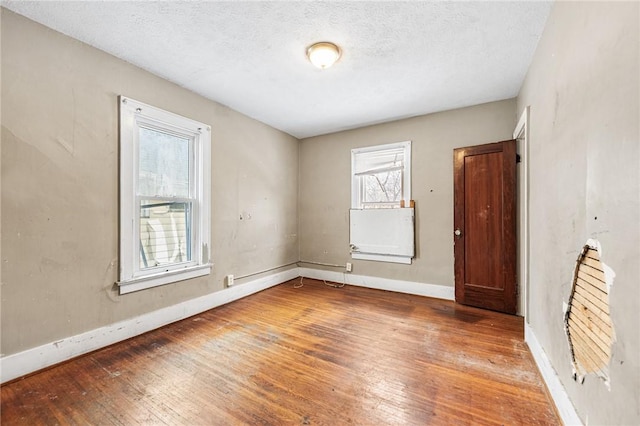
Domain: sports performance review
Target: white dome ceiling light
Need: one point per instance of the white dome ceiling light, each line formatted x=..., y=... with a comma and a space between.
x=323, y=54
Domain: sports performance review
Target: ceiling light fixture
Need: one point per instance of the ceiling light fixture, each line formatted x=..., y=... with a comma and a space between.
x=323, y=54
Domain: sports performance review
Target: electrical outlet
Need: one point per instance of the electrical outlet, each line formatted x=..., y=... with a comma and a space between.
x=349, y=267
x=229, y=280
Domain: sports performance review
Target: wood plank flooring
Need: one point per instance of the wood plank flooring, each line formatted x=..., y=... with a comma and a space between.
x=314, y=355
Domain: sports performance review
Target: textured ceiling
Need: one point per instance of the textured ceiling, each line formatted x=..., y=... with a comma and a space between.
x=400, y=59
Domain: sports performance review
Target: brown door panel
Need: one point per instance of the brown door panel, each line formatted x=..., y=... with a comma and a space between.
x=484, y=218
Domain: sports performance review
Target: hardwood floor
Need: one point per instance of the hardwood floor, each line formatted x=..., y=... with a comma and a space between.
x=314, y=355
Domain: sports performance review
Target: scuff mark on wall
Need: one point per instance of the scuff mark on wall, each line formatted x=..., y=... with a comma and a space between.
x=65, y=144
x=587, y=315
x=111, y=289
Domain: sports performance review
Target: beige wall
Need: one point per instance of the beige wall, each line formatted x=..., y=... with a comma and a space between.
x=325, y=188
x=584, y=183
x=60, y=187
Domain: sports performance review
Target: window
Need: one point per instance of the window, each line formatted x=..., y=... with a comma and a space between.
x=379, y=229
x=381, y=176
x=164, y=197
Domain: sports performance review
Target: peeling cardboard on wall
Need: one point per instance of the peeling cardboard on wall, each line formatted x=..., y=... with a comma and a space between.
x=587, y=316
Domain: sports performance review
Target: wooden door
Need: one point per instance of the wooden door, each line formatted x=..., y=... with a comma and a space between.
x=485, y=226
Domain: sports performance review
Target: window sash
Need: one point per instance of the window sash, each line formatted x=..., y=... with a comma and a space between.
x=191, y=237
x=154, y=125
x=190, y=246
x=192, y=137
x=372, y=160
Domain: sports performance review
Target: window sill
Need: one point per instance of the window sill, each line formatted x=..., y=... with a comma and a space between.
x=148, y=281
x=382, y=258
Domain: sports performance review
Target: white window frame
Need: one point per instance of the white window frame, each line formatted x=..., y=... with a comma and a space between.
x=356, y=190
x=133, y=115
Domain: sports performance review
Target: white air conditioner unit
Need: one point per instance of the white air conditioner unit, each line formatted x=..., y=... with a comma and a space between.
x=385, y=235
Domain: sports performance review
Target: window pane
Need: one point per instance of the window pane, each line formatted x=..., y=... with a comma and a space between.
x=164, y=164
x=382, y=189
x=165, y=233
x=386, y=158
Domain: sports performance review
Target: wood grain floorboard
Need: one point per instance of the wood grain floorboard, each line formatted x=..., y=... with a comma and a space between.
x=314, y=355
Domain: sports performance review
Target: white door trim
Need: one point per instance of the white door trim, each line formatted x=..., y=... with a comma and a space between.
x=521, y=135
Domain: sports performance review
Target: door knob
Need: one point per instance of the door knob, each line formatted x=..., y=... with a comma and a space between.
x=457, y=232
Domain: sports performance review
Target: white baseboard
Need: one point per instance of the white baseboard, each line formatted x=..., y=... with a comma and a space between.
x=420, y=289
x=22, y=363
x=559, y=395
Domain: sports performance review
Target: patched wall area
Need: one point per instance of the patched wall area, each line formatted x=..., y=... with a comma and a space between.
x=587, y=319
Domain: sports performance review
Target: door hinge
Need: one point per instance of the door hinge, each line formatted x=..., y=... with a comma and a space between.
x=518, y=158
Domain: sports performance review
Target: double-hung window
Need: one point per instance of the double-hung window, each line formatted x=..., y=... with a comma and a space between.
x=164, y=197
x=381, y=176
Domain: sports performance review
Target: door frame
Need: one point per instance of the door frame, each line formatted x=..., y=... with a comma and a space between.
x=521, y=135
x=509, y=234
